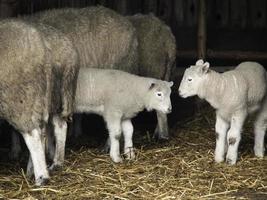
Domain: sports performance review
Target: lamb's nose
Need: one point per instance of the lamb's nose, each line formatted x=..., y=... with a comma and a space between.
x=169, y=109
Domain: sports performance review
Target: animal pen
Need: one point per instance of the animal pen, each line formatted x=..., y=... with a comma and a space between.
x=224, y=33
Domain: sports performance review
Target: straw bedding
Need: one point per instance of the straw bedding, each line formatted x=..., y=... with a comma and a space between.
x=180, y=169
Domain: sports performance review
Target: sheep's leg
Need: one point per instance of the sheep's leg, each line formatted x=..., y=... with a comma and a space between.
x=60, y=131
x=106, y=146
x=161, y=131
x=114, y=128
x=15, y=146
x=127, y=130
x=50, y=148
x=34, y=143
x=260, y=127
x=30, y=170
x=234, y=136
x=221, y=128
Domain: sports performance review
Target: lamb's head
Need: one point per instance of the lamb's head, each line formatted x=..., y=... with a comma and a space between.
x=192, y=79
x=158, y=96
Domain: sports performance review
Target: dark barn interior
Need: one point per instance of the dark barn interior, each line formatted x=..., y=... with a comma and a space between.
x=225, y=33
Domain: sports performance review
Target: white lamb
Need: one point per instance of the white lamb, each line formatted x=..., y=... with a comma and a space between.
x=118, y=96
x=234, y=94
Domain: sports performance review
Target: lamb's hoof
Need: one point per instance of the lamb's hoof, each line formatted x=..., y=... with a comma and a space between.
x=117, y=159
x=160, y=137
x=259, y=153
x=229, y=161
x=55, y=167
x=219, y=159
x=42, y=181
x=130, y=155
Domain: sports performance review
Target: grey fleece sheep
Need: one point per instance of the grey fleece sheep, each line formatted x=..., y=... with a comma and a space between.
x=156, y=56
x=24, y=92
x=234, y=94
x=118, y=96
x=61, y=77
x=64, y=70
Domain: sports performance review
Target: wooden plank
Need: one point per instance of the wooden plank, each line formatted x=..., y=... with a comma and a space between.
x=191, y=12
x=165, y=10
x=235, y=55
x=257, y=9
x=221, y=15
x=238, y=14
x=150, y=6
x=178, y=13
x=202, y=30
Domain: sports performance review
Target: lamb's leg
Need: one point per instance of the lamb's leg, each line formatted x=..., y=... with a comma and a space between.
x=161, y=131
x=127, y=130
x=234, y=136
x=221, y=129
x=260, y=127
x=15, y=146
x=60, y=131
x=34, y=144
x=114, y=128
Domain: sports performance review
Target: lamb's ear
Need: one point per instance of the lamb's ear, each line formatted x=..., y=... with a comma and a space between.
x=205, y=68
x=170, y=83
x=152, y=85
x=200, y=62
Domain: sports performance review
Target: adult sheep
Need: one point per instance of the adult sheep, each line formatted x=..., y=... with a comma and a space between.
x=234, y=94
x=156, y=56
x=61, y=68
x=118, y=96
x=24, y=101
x=64, y=71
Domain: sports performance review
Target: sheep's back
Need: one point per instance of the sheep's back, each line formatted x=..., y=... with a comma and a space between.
x=156, y=46
x=103, y=38
x=255, y=76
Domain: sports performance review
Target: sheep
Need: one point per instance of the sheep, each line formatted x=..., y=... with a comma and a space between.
x=61, y=77
x=118, y=96
x=105, y=39
x=156, y=56
x=234, y=95
x=64, y=63
x=24, y=99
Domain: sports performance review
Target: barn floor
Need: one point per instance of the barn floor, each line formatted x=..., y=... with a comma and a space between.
x=180, y=169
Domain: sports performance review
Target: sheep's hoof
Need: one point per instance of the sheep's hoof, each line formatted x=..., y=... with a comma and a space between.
x=230, y=161
x=130, y=155
x=117, y=159
x=160, y=136
x=55, y=167
x=259, y=153
x=42, y=181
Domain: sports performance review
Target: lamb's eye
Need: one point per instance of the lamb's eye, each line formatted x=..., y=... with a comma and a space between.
x=159, y=94
x=189, y=79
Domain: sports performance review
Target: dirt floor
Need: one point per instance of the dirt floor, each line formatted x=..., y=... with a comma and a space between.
x=182, y=168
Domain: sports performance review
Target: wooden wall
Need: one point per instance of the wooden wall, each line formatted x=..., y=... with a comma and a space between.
x=235, y=26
